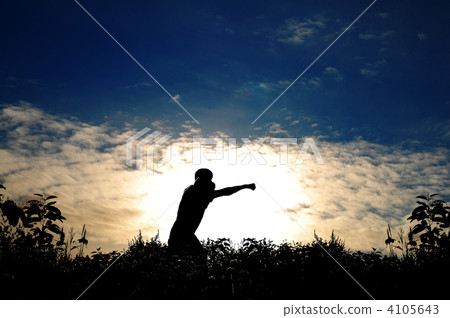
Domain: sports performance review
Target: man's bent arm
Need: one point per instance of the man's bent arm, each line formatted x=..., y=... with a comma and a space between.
x=232, y=190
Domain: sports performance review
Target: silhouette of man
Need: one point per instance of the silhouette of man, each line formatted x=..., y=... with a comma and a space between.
x=195, y=200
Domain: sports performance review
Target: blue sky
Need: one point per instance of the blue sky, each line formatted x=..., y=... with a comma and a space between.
x=386, y=78
x=384, y=82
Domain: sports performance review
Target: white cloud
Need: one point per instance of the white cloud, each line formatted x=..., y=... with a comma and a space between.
x=362, y=187
x=422, y=36
x=315, y=81
x=15, y=82
x=333, y=72
x=368, y=72
x=62, y=156
x=310, y=83
x=143, y=84
x=373, y=69
x=176, y=97
x=377, y=35
x=297, y=32
x=284, y=83
x=160, y=124
x=275, y=129
x=264, y=86
x=366, y=36
x=252, y=88
x=330, y=70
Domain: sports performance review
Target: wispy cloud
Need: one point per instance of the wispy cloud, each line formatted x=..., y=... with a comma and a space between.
x=366, y=36
x=368, y=72
x=253, y=88
x=229, y=30
x=176, y=97
x=362, y=187
x=333, y=73
x=276, y=129
x=143, y=84
x=383, y=36
x=311, y=83
x=16, y=82
x=372, y=69
x=422, y=36
x=298, y=31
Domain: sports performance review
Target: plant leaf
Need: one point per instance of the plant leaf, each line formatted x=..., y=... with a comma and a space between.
x=50, y=203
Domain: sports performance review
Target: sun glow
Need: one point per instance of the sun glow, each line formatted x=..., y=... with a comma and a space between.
x=266, y=212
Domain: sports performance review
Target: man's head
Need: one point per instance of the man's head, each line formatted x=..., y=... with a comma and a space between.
x=203, y=174
x=203, y=179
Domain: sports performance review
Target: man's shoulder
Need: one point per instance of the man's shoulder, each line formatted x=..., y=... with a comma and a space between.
x=194, y=192
x=189, y=189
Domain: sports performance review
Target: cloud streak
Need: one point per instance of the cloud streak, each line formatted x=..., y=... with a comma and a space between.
x=296, y=32
x=362, y=187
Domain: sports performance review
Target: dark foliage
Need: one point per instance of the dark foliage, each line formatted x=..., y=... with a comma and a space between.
x=36, y=262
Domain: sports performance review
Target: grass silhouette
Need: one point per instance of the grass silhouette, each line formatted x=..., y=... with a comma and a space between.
x=38, y=261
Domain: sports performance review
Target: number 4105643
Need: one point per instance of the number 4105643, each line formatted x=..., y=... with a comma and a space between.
x=413, y=309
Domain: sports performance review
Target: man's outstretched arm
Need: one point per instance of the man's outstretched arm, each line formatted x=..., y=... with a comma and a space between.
x=232, y=190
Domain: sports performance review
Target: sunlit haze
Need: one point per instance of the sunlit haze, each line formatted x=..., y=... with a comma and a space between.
x=376, y=106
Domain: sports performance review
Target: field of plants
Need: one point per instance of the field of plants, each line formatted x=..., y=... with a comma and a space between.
x=39, y=260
